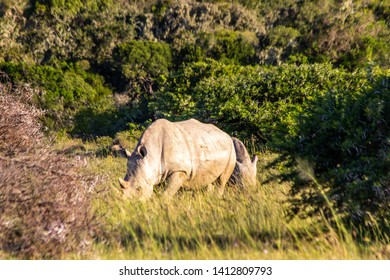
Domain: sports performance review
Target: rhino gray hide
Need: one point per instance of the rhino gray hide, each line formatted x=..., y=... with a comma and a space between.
x=187, y=154
x=244, y=173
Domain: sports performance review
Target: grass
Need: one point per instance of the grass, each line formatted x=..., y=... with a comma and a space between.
x=244, y=224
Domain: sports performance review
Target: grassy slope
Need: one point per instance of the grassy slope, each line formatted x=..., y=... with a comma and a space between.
x=245, y=224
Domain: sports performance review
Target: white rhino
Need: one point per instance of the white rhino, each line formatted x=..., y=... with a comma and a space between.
x=187, y=154
x=244, y=173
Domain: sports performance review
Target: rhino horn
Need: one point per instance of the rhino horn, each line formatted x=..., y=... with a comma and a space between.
x=128, y=154
x=124, y=184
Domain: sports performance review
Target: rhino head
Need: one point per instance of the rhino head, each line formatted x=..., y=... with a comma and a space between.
x=139, y=179
x=246, y=172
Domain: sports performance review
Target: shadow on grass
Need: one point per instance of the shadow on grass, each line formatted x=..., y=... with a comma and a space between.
x=141, y=239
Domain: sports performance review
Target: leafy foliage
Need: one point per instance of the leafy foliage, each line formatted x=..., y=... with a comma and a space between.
x=345, y=135
x=141, y=63
x=66, y=89
x=256, y=101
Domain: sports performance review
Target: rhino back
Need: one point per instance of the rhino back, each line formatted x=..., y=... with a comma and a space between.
x=201, y=151
x=210, y=151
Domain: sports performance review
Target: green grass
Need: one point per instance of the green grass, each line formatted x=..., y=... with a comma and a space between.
x=244, y=224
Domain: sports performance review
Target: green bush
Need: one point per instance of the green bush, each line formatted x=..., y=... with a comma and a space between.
x=254, y=101
x=66, y=7
x=233, y=46
x=141, y=64
x=345, y=136
x=65, y=90
x=90, y=123
x=280, y=43
x=226, y=46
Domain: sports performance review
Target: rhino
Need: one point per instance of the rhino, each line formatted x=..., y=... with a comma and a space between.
x=244, y=174
x=187, y=154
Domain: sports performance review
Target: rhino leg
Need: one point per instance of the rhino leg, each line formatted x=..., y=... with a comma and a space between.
x=210, y=188
x=221, y=182
x=175, y=181
x=225, y=176
x=220, y=187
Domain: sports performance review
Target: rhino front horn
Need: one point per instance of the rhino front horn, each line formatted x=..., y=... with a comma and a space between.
x=123, y=183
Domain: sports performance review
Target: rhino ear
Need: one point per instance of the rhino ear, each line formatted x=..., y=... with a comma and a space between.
x=142, y=151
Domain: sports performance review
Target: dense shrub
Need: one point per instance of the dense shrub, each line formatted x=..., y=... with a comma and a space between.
x=343, y=33
x=172, y=18
x=141, y=63
x=45, y=204
x=254, y=101
x=64, y=90
x=90, y=123
x=225, y=46
x=279, y=44
x=345, y=136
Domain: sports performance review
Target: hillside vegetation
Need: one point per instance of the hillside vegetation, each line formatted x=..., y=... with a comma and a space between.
x=305, y=84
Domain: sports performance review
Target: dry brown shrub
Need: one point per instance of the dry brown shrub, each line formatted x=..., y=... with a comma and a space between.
x=45, y=204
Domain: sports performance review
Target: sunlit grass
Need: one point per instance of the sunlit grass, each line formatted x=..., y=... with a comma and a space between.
x=244, y=224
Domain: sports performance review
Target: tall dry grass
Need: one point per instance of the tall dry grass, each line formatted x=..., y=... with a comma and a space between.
x=247, y=223
x=45, y=204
